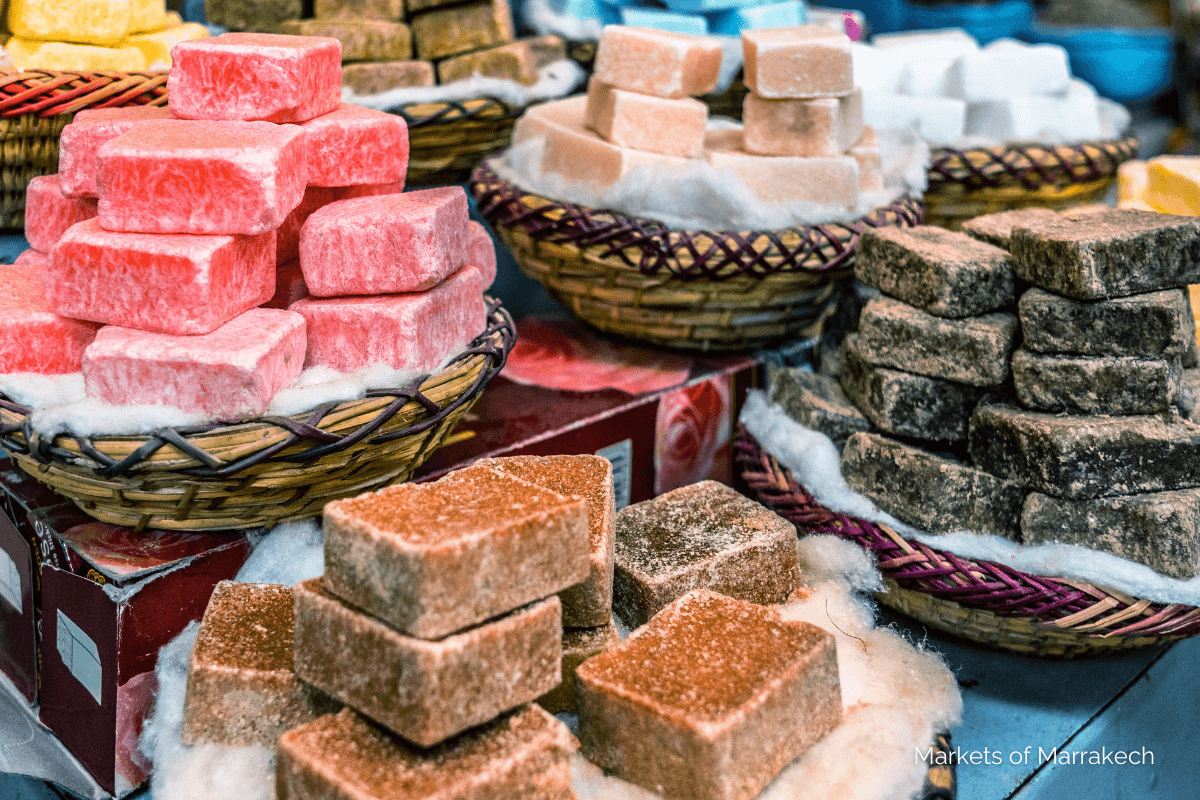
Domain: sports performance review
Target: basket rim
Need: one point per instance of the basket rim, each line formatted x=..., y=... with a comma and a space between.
x=1029, y=165
x=1065, y=604
x=552, y=221
x=278, y=435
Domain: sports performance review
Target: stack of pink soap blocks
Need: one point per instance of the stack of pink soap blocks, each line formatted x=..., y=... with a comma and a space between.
x=256, y=227
x=803, y=138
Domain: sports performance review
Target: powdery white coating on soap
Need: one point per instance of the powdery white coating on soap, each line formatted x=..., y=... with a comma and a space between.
x=175, y=283
x=89, y=129
x=230, y=373
x=405, y=331
x=353, y=145
x=197, y=176
x=385, y=244
x=49, y=213
x=815, y=464
x=255, y=76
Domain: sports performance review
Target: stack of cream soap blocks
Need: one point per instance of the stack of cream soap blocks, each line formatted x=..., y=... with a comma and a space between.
x=803, y=139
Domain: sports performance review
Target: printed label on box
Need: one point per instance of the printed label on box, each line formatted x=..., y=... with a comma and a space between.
x=80, y=655
x=621, y=456
x=10, y=582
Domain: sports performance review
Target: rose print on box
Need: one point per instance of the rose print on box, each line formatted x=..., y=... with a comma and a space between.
x=692, y=434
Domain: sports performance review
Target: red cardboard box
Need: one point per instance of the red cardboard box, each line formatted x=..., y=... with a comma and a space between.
x=665, y=419
x=107, y=599
x=20, y=581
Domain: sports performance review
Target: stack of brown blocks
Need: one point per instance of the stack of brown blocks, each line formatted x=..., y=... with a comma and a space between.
x=390, y=44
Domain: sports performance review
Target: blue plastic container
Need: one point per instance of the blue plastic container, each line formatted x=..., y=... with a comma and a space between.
x=1125, y=64
x=987, y=22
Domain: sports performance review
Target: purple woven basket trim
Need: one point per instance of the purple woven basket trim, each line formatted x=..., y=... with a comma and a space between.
x=982, y=585
x=1031, y=167
x=651, y=248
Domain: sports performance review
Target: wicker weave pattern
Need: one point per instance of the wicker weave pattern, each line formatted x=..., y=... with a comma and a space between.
x=264, y=471
x=1029, y=166
x=447, y=140
x=1052, y=615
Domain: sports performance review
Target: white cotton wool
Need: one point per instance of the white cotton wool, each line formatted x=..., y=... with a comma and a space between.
x=290, y=553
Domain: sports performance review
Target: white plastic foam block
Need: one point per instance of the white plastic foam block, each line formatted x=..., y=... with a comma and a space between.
x=1073, y=117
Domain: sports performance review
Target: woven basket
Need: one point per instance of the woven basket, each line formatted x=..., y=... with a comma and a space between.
x=35, y=105
x=982, y=601
x=267, y=470
x=964, y=184
x=447, y=140
x=694, y=290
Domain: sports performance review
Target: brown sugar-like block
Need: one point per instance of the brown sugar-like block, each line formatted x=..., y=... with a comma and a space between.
x=241, y=689
x=1085, y=456
x=996, y=229
x=362, y=39
x=1110, y=253
x=547, y=49
x=935, y=494
x=943, y=272
x=972, y=350
x=710, y=700
x=426, y=691
x=579, y=644
x=817, y=402
x=1096, y=384
x=461, y=29
x=703, y=536
x=264, y=16
x=588, y=603
x=430, y=559
x=524, y=755
x=1158, y=529
x=513, y=61
x=383, y=76
x=392, y=10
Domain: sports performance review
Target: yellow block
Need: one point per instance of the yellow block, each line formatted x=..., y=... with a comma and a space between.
x=86, y=58
x=147, y=15
x=1132, y=180
x=103, y=22
x=21, y=51
x=172, y=20
x=157, y=46
x=1175, y=184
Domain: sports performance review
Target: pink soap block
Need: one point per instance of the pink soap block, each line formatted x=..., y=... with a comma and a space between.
x=48, y=212
x=32, y=258
x=647, y=123
x=287, y=244
x=186, y=176
x=405, y=331
x=481, y=252
x=800, y=62
x=289, y=286
x=371, y=190
x=256, y=76
x=386, y=244
x=87, y=132
x=231, y=373
x=32, y=338
x=661, y=63
x=355, y=145
x=178, y=283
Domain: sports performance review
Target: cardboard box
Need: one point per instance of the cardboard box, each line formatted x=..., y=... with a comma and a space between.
x=107, y=599
x=664, y=419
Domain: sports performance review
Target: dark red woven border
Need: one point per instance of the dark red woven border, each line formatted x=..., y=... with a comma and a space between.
x=1029, y=166
x=651, y=248
x=982, y=585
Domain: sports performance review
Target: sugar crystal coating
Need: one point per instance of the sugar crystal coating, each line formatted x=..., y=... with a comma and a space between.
x=415, y=331
x=710, y=699
x=89, y=129
x=172, y=283
x=385, y=244
x=425, y=557
x=255, y=76
x=230, y=373
x=32, y=338
x=49, y=213
x=703, y=536
x=186, y=176
x=426, y=691
x=241, y=689
x=588, y=603
x=520, y=756
x=352, y=145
